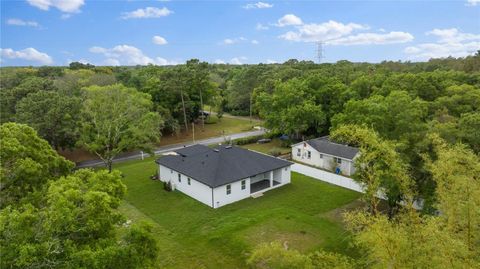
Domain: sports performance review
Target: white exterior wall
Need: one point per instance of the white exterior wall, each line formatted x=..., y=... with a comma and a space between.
x=221, y=198
x=196, y=189
x=203, y=193
x=346, y=167
x=286, y=175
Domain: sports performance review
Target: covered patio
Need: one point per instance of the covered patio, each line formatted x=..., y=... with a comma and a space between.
x=262, y=185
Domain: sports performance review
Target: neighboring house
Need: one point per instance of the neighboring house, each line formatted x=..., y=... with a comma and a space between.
x=323, y=153
x=222, y=175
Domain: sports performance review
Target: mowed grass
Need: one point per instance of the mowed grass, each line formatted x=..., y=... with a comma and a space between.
x=193, y=235
x=213, y=128
x=266, y=148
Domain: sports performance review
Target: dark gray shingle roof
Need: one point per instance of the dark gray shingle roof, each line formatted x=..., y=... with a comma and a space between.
x=192, y=150
x=222, y=164
x=324, y=145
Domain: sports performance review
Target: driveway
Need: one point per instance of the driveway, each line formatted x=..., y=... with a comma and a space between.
x=138, y=155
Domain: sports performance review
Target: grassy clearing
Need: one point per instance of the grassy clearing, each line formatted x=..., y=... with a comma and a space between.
x=274, y=145
x=213, y=128
x=192, y=235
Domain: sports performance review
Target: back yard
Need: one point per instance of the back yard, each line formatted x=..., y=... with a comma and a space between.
x=192, y=235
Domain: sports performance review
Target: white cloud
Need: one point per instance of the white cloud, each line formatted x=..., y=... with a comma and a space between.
x=231, y=41
x=271, y=61
x=323, y=31
x=128, y=55
x=148, y=12
x=219, y=61
x=28, y=54
x=159, y=40
x=473, y=2
x=289, y=19
x=337, y=33
x=238, y=60
x=112, y=62
x=451, y=42
x=20, y=22
x=373, y=38
x=65, y=16
x=255, y=42
x=228, y=41
x=452, y=35
x=68, y=6
x=261, y=27
x=258, y=5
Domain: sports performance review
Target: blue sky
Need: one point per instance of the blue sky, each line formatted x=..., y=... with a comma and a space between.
x=56, y=32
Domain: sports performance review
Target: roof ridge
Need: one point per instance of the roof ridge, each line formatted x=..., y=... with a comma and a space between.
x=217, y=166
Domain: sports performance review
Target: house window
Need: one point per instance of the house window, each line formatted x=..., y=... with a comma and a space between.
x=337, y=160
x=286, y=168
x=171, y=171
x=243, y=184
x=188, y=180
x=299, y=152
x=179, y=177
x=309, y=154
x=321, y=156
x=229, y=189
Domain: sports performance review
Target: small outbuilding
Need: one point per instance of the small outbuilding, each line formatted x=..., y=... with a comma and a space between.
x=326, y=154
x=222, y=175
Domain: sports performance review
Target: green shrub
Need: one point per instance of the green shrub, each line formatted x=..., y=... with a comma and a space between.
x=167, y=186
x=247, y=140
x=275, y=152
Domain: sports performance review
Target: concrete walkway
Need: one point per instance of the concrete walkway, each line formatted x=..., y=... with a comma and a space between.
x=138, y=155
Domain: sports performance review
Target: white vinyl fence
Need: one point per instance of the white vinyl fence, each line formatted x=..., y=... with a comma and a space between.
x=328, y=177
x=340, y=180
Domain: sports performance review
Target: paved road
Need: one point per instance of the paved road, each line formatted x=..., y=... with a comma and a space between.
x=167, y=148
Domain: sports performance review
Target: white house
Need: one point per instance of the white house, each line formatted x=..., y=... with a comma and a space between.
x=325, y=154
x=222, y=175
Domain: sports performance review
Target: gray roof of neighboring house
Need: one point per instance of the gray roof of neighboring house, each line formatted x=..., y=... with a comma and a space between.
x=220, y=165
x=324, y=145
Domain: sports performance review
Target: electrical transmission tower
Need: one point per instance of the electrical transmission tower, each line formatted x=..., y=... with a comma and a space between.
x=320, y=52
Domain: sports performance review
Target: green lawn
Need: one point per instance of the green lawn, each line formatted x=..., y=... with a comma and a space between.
x=193, y=235
x=213, y=128
x=266, y=148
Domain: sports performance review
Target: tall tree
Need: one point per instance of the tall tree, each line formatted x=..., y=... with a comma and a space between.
x=456, y=170
x=117, y=119
x=379, y=168
x=396, y=116
x=28, y=162
x=450, y=239
x=291, y=109
x=10, y=97
x=54, y=116
x=76, y=225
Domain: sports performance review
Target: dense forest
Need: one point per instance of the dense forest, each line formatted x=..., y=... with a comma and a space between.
x=414, y=122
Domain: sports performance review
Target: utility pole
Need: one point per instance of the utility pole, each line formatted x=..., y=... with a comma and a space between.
x=203, y=112
x=193, y=132
x=251, y=95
